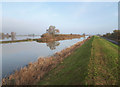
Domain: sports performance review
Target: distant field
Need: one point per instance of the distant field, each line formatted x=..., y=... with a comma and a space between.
x=94, y=63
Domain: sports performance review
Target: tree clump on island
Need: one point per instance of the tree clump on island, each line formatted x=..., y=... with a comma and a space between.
x=51, y=32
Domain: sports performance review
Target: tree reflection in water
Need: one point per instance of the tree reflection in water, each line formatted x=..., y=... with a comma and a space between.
x=52, y=45
x=12, y=38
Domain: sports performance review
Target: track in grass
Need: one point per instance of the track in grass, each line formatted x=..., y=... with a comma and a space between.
x=103, y=65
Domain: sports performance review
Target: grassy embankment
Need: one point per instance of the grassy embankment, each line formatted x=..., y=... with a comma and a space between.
x=94, y=63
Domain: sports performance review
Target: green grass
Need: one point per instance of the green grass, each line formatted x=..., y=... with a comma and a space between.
x=103, y=67
x=73, y=70
x=94, y=63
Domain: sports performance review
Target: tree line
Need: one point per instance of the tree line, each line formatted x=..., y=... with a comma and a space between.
x=115, y=35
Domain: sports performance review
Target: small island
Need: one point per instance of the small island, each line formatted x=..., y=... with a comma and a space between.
x=52, y=34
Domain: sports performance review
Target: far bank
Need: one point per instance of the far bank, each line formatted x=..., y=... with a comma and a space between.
x=47, y=38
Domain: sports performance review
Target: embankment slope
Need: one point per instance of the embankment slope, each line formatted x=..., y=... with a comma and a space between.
x=73, y=70
x=94, y=63
x=35, y=71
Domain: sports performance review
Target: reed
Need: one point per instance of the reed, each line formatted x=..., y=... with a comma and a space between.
x=34, y=72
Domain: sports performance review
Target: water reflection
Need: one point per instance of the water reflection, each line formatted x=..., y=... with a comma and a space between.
x=52, y=45
x=1, y=37
x=17, y=55
x=7, y=36
x=12, y=38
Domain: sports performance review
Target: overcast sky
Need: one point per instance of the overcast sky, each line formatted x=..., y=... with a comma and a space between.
x=68, y=17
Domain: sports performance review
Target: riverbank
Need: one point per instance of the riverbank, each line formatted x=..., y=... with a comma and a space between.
x=72, y=70
x=58, y=37
x=94, y=63
x=14, y=41
x=47, y=39
x=35, y=71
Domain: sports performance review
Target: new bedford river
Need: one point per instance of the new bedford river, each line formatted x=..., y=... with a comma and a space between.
x=17, y=55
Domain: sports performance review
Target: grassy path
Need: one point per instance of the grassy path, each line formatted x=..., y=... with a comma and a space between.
x=94, y=63
x=72, y=70
x=103, y=63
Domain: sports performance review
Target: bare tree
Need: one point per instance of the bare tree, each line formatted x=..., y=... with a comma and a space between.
x=52, y=30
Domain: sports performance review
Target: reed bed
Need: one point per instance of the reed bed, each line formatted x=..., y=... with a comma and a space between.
x=34, y=72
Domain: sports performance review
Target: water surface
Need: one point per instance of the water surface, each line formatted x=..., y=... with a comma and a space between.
x=16, y=55
x=18, y=38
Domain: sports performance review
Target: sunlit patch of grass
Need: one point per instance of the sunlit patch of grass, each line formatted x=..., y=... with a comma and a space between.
x=104, y=65
x=72, y=70
x=94, y=63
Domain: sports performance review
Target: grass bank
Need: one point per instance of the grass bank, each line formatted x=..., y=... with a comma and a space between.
x=73, y=70
x=103, y=64
x=35, y=71
x=94, y=63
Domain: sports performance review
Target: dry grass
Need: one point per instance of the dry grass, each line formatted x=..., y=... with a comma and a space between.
x=34, y=72
x=57, y=37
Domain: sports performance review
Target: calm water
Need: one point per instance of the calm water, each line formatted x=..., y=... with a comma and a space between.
x=16, y=55
x=18, y=38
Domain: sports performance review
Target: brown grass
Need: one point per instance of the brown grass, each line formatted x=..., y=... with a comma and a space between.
x=57, y=37
x=34, y=72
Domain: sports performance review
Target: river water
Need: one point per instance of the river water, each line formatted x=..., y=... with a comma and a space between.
x=17, y=55
x=18, y=38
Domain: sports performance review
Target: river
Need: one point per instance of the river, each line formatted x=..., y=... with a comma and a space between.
x=17, y=55
x=18, y=38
